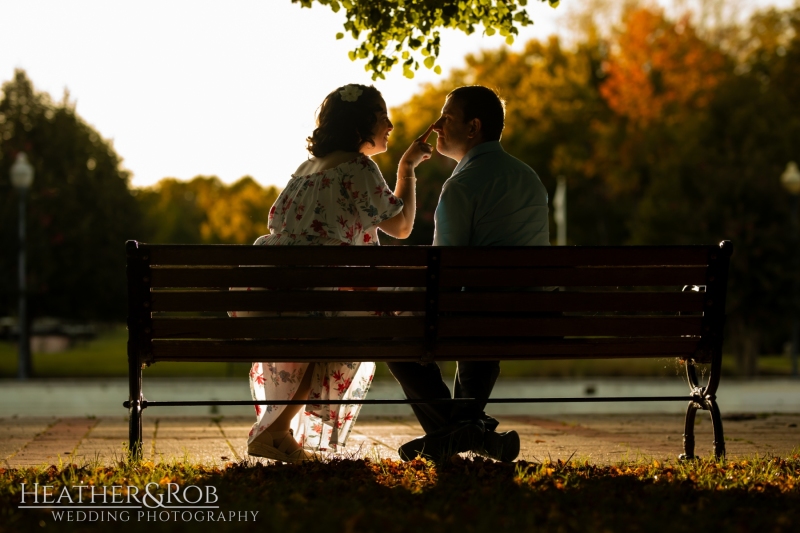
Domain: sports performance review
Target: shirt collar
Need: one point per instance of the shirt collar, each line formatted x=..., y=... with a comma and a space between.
x=483, y=148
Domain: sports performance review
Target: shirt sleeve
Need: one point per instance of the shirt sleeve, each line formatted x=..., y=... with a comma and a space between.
x=372, y=199
x=453, y=217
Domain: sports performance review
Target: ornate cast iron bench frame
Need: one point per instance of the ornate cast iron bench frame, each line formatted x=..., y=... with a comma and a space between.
x=611, y=302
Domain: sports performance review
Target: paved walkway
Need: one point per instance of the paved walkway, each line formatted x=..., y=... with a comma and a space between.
x=36, y=441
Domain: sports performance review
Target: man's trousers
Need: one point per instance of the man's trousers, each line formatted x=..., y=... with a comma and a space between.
x=474, y=379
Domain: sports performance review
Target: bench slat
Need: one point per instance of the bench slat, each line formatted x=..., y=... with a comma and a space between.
x=575, y=277
x=294, y=277
x=288, y=327
x=623, y=326
x=176, y=301
x=288, y=277
x=287, y=301
x=394, y=327
x=571, y=301
x=226, y=254
x=498, y=349
x=230, y=254
x=579, y=256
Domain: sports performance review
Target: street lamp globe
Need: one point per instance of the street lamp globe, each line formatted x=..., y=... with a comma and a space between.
x=22, y=172
x=791, y=178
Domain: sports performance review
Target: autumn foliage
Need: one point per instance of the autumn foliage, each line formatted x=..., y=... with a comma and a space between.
x=659, y=70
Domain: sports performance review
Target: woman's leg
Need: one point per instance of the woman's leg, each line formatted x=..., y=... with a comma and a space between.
x=284, y=420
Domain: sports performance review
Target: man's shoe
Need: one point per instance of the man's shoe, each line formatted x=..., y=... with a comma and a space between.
x=445, y=443
x=500, y=446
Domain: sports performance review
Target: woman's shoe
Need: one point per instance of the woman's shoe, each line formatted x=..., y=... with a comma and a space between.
x=277, y=446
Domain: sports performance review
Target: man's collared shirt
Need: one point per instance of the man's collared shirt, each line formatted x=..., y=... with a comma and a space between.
x=492, y=199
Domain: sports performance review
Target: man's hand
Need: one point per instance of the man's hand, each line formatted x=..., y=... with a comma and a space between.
x=418, y=152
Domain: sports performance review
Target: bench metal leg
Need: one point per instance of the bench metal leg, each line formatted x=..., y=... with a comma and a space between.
x=688, y=433
x=135, y=409
x=703, y=398
x=716, y=422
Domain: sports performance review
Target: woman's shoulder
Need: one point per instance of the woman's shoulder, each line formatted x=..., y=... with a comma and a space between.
x=335, y=160
x=364, y=165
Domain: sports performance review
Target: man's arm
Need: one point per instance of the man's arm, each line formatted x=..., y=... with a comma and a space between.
x=453, y=216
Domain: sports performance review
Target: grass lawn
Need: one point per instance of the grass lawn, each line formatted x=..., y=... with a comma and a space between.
x=106, y=356
x=464, y=495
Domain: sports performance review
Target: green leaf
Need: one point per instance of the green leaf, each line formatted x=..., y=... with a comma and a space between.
x=510, y=40
x=437, y=69
x=339, y=35
x=490, y=31
x=352, y=55
x=335, y=6
x=429, y=61
x=554, y=3
x=408, y=73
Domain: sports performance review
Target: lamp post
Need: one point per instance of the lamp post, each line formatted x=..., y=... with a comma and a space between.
x=21, y=179
x=791, y=182
x=560, y=211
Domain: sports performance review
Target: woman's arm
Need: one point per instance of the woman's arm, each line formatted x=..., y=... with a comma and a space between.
x=400, y=225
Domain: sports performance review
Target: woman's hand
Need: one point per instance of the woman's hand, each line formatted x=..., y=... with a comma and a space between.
x=401, y=224
x=418, y=152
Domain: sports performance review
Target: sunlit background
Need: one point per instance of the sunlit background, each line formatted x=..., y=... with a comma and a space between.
x=668, y=123
x=188, y=88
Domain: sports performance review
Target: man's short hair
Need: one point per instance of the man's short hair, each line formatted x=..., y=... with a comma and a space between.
x=484, y=104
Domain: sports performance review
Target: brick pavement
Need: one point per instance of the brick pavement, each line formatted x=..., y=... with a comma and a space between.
x=601, y=439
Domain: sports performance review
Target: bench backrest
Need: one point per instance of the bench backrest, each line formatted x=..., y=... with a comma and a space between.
x=597, y=302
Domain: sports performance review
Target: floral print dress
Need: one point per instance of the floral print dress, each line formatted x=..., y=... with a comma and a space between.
x=336, y=207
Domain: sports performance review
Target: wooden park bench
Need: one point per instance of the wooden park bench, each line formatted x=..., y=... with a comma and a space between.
x=521, y=303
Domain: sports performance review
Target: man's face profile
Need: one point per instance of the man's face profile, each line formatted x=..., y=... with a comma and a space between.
x=452, y=131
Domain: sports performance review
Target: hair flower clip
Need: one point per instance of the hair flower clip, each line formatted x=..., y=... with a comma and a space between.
x=350, y=93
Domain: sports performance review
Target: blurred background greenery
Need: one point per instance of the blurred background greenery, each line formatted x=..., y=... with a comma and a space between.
x=105, y=356
x=666, y=132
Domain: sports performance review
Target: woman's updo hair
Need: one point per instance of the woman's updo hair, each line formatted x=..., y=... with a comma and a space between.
x=345, y=120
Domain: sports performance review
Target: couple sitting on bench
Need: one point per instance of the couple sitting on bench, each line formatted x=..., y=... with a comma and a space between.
x=339, y=197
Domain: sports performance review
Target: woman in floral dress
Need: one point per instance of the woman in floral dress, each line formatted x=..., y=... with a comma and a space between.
x=337, y=197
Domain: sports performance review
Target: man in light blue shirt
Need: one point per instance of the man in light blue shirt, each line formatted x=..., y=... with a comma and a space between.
x=491, y=199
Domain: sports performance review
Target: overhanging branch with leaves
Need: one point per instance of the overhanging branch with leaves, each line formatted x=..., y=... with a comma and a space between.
x=406, y=32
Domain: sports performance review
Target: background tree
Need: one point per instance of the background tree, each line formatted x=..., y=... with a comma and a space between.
x=696, y=143
x=205, y=211
x=81, y=209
